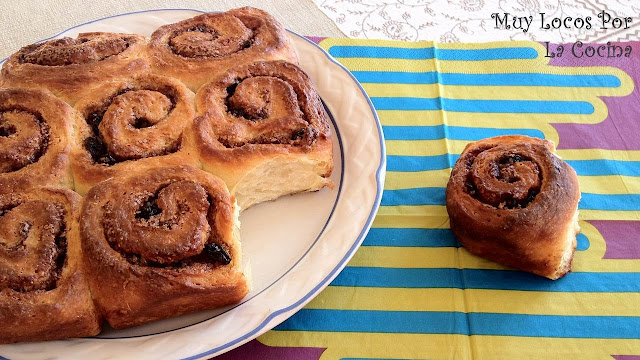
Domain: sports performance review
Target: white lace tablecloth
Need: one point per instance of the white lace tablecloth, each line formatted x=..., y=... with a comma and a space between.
x=471, y=21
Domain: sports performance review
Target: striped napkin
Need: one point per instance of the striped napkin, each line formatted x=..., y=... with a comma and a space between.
x=411, y=291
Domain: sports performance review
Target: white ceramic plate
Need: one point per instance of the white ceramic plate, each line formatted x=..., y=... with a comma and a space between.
x=295, y=245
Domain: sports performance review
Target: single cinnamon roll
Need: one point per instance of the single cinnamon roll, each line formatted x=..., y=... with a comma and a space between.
x=161, y=243
x=35, y=139
x=132, y=125
x=512, y=201
x=43, y=290
x=69, y=67
x=197, y=49
x=263, y=129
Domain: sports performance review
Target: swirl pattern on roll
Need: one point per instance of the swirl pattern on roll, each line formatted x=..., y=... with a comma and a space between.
x=168, y=218
x=33, y=243
x=140, y=121
x=35, y=129
x=68, y=51
x=196, y=49
x=173, y=224
x=25, y=138
x=512, y=200
x=264, y=103
x=70, y=66
x=263, y=129
x=43, y=293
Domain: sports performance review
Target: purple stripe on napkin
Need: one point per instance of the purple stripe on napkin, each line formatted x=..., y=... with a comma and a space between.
x=621, y=238
x=257, y=350
x=626, y=357
x=315, y=39
x=619, y=131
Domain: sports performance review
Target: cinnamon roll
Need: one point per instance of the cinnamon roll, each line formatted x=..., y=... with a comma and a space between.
x=69, y=67
x=263, y=129
x=35, y=139
x=43, y=290
x=512, y=201
x=131, y=125
x=197, y=49
x=161, y=243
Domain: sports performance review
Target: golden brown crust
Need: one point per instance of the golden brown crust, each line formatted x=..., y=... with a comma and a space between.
x=35, y=139
x=132, y=125
x=257, y=113
x=511, y=200
x=43, y=291
x=161, y=243
x=197, y=49
x=69, y=67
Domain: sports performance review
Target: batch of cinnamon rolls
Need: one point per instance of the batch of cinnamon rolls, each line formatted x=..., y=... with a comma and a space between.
x=124, y=163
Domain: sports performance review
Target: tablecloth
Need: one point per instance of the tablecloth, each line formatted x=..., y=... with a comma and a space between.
x=411, y=291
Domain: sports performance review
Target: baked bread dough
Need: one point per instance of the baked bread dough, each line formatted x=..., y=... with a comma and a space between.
x=263, y=129
x=160, y=243
x=69, y=67
x=513, y=201
x=43, y=290
x=132, y=125
x=196, y=50
x=112, y=117
x=35, y=139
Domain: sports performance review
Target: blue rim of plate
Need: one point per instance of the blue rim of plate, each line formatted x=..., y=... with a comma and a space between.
x=341, y=264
